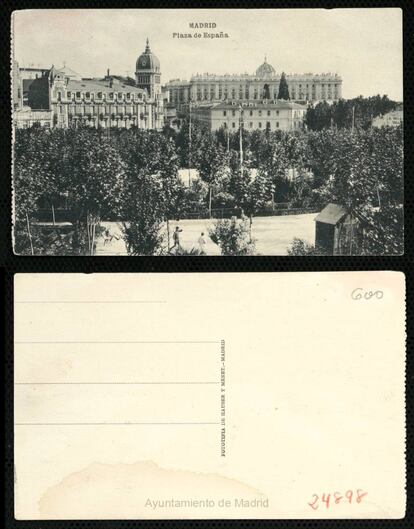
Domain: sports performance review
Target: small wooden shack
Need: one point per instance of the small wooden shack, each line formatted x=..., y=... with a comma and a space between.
x=336, y=232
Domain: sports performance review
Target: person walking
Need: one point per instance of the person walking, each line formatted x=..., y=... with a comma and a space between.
x=176, y=239
x=201, y=244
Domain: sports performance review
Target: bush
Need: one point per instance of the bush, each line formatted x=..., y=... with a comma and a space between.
x=223, y=200
x=191, y=252
x=43, y=242
x=300, y=247
x=143, y=237
x=233, y=237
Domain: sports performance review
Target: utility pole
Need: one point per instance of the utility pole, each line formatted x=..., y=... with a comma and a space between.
x=353, y=118
x=228, y=135
x=189, y=144
x=241, y=139
x=109, y=121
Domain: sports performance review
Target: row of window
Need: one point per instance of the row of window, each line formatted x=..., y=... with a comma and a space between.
x=204, y=91
x=102, y=117
x=91, y=110
x=260, y=125
x=176, y=97
x=28, y=124
x=146, y=79
x=246, y=89
x=323, y=92
x=314, y=93
x=251, y=113
x=256, y=95
x=100, y=95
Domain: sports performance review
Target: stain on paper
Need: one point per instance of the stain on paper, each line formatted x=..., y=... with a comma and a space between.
x=105, y=490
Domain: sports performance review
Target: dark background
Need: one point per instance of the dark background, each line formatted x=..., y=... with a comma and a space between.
x=11, y=264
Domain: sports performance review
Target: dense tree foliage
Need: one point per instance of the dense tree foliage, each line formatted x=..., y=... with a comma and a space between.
x=83, y=166
x=132, y=176
x=150, y=188
x=344, y=114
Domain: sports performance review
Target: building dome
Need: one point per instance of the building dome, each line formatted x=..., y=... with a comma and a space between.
x=147, y=60
x=265, y=70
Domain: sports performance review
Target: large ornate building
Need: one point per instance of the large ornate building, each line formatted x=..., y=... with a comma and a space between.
x=263, y=84
x=262, y=115
x=112, y=101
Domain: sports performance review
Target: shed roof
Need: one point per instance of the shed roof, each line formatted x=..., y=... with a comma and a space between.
x=331, y=214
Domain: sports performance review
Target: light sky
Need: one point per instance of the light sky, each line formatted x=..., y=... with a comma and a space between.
x=363, y=45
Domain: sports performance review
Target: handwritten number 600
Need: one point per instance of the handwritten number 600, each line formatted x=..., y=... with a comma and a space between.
x=360, y=293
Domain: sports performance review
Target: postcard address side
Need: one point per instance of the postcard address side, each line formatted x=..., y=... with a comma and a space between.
x=209, y=395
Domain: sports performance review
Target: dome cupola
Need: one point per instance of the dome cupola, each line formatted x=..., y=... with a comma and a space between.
x=265, y=70
x=148, y=73
x=148, y=61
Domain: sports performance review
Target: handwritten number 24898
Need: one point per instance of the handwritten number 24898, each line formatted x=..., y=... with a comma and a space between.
x=336, y=498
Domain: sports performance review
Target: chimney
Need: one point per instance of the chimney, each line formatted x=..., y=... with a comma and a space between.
x=107, y=72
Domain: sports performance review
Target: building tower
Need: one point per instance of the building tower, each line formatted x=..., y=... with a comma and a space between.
x=148, y=73
x=148, y=77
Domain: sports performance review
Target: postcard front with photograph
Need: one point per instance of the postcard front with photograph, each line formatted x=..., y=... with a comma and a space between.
x=208, y=132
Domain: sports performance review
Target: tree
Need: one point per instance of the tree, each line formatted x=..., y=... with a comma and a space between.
x=283, y=88
x=187, y=154
x=142, y=230
x=77, y=163
x=93, y=171
x=250, y=189
x=233, y=237
x=192, y=198
x=169, y=132
x=281, y=153
x=320, y=146
x=367, y=180
x=211, y=161
x=35, y=165
x=319, y=117
x=150, y=189
x=343, y=113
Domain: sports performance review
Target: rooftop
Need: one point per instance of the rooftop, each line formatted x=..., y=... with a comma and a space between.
x=68, y=72
x=331, y=214
x=241, y=76
x=260, y=104
x=101, y=85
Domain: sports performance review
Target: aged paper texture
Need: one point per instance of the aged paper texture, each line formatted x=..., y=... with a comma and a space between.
x=254, y=395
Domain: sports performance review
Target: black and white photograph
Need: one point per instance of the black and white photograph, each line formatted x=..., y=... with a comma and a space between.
x=207, y=132
x=249, y=364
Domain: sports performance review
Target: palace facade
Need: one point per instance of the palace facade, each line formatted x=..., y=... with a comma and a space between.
x=67, y=99
x=263, y=84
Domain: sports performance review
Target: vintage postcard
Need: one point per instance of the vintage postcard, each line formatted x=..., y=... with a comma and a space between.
x=168, y=396
x=208, y=132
